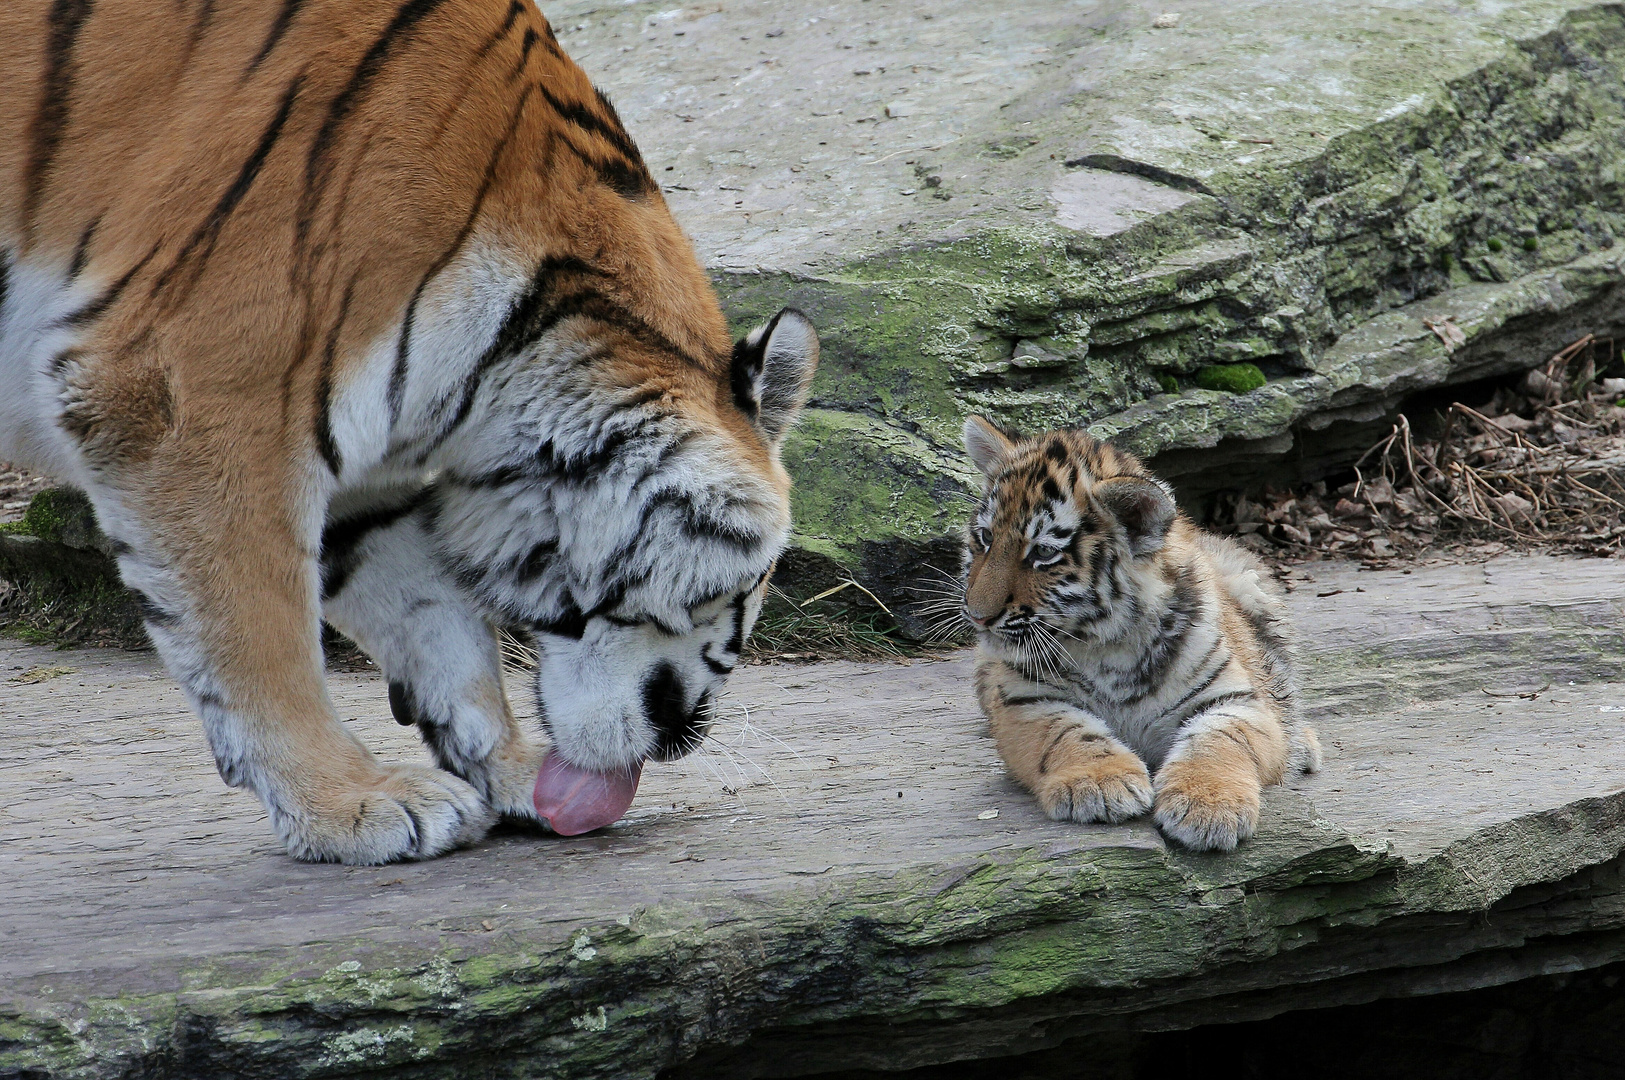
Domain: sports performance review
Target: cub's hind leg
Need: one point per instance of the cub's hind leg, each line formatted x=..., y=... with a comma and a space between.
x=1208, y=789
x=383, y=587
x=1065, y=755
x=222, y=552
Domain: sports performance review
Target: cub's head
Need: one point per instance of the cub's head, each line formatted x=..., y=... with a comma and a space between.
x=630, y=514
x=1067, y=527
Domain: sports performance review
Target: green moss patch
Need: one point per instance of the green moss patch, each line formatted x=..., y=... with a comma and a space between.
x=58, y=584
x=1230, y=378
x=52, y=511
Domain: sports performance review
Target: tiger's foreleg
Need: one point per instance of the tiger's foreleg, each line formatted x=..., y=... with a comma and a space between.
x=1065, y=755
x=227, y=570
x=384, y=588
x=1209, y=786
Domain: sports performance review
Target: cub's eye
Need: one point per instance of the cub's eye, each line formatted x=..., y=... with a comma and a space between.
x=1048, y=550
x=981, y=537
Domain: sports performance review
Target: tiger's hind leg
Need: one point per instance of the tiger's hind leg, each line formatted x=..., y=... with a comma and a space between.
x=383, y=587
x=1303, y=748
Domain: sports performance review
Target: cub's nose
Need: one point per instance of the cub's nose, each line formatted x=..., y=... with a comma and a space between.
x=984, y=614
x=988, y=593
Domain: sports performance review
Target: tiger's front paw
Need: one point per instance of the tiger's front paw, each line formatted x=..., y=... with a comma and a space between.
x=397, y=813
x=1206, y=809
x=507, y=779
x=1108, y=787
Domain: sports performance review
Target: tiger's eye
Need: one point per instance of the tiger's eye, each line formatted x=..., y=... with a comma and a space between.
x=1043, y=556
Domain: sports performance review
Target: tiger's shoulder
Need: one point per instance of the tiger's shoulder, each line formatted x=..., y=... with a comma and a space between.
x=366, y=187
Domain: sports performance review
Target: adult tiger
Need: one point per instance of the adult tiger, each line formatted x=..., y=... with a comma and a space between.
x=371, y=310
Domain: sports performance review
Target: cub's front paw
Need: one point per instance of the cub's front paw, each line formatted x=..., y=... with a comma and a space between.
x=399, y=812
x=1206, y=809
x=1107, y=787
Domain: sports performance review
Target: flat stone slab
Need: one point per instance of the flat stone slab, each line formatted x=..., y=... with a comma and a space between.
x=843, y=877
x=792, y=131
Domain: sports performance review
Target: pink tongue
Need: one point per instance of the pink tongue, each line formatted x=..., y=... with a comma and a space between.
x=573, y=801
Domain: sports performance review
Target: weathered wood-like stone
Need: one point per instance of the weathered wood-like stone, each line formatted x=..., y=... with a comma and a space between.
x=820, y=889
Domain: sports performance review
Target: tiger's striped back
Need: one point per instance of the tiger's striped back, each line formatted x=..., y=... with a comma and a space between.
x=182, y=160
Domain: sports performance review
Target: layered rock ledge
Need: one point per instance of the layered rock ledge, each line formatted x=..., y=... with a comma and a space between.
x=826, y=887
x=1061, y=213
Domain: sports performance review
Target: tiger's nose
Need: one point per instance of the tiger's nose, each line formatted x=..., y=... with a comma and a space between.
x=983, y=614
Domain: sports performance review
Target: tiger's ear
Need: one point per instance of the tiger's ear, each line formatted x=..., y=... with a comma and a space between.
x=772, y=368
x=987, y=445
x=1145, y=508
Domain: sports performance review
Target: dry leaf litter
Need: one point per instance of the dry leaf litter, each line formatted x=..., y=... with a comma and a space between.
x=16, y=489
x=1540, y=466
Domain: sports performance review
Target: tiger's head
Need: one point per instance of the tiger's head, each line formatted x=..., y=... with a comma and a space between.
x=1064, y=540
x=607, y=472
x=629, y=512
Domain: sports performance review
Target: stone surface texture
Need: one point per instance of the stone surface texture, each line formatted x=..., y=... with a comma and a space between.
x=826, y=886
x=1043, y=210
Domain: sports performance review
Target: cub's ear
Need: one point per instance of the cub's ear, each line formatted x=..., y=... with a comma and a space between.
x=772, y=368
x=1145, y=509
x=987, y=444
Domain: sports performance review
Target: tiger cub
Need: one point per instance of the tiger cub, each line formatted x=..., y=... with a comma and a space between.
x=1127, y=661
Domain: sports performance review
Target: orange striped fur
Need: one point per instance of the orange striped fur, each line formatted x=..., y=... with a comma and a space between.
x=371, y=307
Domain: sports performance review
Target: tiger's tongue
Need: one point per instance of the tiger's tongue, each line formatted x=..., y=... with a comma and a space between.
x=573, y=801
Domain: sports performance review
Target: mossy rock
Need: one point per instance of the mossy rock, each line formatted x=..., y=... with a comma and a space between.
x=63, y=515
x=1230, y=378
x=58, y=582
x=1093, y=259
